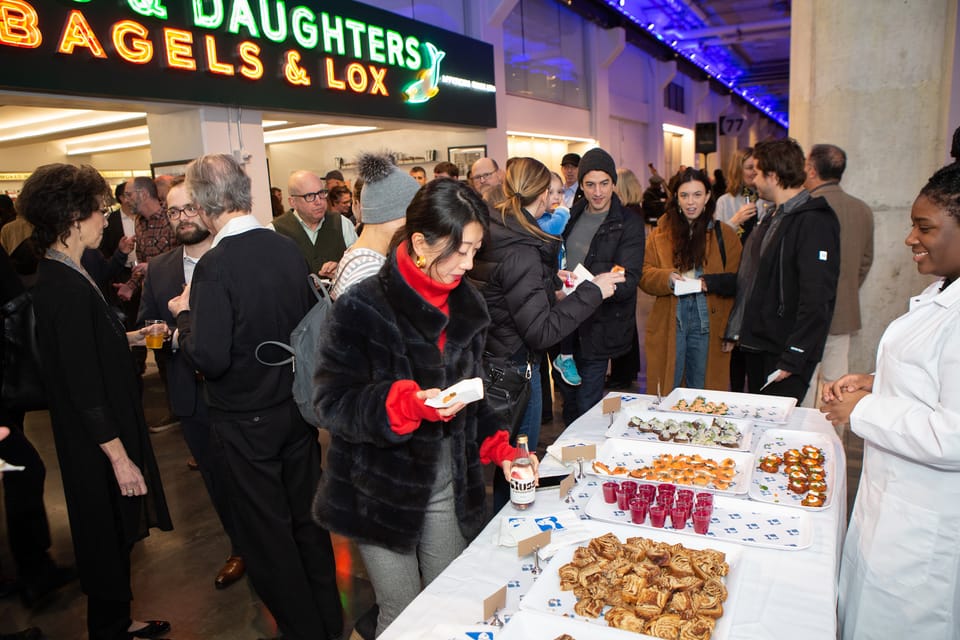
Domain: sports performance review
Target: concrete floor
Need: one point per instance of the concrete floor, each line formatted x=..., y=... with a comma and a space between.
x=173, y=572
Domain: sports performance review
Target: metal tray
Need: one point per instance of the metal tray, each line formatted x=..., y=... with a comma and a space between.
x=622, y=429
x=772, y=487
x=637, y=453
x=546, y=597
x=759, y=408
x=734, y=520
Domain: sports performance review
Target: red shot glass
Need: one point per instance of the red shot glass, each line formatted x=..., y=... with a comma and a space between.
x=701, y=521
x=658, y=515
x=610, y=491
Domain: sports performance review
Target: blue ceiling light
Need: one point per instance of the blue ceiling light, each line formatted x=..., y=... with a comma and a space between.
x=716, y=62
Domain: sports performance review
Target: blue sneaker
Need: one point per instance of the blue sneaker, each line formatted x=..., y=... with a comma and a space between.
x=567, y=368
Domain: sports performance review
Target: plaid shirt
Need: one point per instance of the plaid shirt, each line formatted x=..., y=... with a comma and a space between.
x=154, y=235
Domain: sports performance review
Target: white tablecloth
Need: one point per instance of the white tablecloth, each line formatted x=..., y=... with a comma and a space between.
x=784, y=594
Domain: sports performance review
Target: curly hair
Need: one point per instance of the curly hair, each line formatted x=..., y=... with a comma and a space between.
x=55, y=196
x=943, y=190
x=689, y=237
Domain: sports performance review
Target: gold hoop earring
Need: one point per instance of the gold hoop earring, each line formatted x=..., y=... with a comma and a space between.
x=421, y=262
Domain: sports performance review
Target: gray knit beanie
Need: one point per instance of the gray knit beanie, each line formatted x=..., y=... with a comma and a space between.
x=387, y=189
x=597, y=160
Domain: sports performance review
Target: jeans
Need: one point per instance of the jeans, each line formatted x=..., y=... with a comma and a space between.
x=529, y=426
x=693, y=340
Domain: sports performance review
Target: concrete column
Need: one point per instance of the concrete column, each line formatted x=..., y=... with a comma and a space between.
x=877, y=79
x=661, y=74
x=485, y=22
x=603, y=47
x=184, y=135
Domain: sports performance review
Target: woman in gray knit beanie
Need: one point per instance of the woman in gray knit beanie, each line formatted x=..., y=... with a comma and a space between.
x=387, y=191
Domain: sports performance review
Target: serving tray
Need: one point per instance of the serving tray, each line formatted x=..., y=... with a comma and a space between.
x=546, y=597
x=633, y=454
x=772, y=487
x=749, y=406
x=621, y=427
x=734, y=520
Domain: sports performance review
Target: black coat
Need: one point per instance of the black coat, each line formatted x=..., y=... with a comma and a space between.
x=517, y=274
x=377, y=483
x=790, y=309
x=93, y=397
x=609, y=332
x=165, y=281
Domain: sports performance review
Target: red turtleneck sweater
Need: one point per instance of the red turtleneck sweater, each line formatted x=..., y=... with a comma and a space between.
x=405, y=410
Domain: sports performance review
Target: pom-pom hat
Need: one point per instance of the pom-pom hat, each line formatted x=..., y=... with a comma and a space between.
x=387, y=189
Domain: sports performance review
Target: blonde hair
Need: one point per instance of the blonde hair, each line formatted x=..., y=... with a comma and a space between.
x=628, y=187
x=525, y=180
x=735, y=171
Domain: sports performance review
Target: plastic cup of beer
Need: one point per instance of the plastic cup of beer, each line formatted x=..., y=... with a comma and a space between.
x=155, y=333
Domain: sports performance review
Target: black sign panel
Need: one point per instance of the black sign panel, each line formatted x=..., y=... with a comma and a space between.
x=706, y=137
x=318, y=56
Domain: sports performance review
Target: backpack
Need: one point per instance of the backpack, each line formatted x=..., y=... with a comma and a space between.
x=22, y=387
x=304, y=341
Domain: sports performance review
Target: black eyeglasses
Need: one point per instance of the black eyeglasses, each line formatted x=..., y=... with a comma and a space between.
x=189, y=211
x=310, y=197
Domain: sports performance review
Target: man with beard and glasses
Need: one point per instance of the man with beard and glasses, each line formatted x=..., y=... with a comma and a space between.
x=169, y=273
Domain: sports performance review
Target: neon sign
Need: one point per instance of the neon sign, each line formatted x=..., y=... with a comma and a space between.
x=342, y=58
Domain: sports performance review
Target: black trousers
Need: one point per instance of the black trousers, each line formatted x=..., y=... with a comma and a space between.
x=108, y=619
x=760, y=364
x=27, y=527
x=272, y=461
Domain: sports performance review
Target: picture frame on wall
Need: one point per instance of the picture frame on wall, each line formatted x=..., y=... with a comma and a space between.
x=464, y=157
x=174, y=168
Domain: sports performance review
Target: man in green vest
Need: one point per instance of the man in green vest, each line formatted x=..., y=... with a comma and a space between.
x=321, y=236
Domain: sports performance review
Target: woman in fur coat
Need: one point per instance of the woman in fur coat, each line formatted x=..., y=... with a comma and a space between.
x=403, y=479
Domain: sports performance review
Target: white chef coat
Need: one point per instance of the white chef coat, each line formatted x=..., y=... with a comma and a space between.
x=901, y=559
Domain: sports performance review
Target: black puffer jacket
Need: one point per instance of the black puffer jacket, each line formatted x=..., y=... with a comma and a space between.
x=377, y=483
x=517, y=274
x=608, y=333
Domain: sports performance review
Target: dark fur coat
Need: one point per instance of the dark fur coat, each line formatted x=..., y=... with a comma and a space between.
x=376, y=484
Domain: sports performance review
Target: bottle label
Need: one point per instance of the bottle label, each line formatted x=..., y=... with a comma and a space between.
x=523, y=485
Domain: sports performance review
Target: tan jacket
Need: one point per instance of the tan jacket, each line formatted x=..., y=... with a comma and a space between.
x=661, y=339
x=856, y=254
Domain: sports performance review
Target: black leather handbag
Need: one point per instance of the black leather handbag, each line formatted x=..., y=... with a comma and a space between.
x=22, y=388
x=507, y=392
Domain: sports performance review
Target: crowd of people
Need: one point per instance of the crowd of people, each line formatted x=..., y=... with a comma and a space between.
x=433, y=280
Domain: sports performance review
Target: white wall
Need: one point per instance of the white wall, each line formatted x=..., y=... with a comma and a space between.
x=317, y=155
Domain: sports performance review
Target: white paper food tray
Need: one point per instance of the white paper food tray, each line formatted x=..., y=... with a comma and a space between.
x=759, y=408
x=622, y=429
x=636, y=453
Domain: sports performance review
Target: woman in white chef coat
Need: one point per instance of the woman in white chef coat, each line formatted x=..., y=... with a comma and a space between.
x=900, y=572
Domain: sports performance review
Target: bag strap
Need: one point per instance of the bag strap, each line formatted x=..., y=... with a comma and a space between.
x=321, y=293
x=718, y=231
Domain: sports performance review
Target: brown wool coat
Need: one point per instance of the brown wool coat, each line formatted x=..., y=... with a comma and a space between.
x=661, y=345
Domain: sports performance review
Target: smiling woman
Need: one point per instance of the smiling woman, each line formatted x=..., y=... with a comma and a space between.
x=900, y=562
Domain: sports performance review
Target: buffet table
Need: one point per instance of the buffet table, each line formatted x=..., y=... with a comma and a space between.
x=779, y=592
